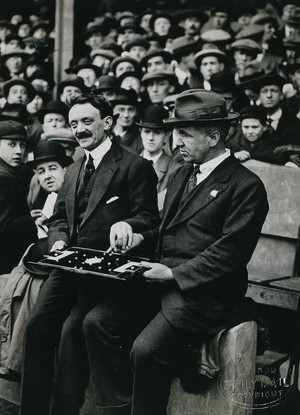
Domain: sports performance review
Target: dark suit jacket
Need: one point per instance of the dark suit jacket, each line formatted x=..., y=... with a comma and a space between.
x=121, y=175
x=17, y=228
x=207, y=242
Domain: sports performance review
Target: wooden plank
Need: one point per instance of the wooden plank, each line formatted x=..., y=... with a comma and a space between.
x=273, y=296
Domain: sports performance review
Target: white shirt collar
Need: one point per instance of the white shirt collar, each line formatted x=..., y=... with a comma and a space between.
x=208, y=167
x=99, y=152
x=276, y=115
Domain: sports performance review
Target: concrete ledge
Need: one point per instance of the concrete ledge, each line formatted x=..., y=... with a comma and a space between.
x=231, y=393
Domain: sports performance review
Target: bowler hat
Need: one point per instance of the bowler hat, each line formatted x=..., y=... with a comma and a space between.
x=12, y=130
x=54, y=107
x=126, y=97
x=106, y=53
x=107, y=83
x=269, y=79
x=84, y=63
x=138, y=40
x=250, y=73
x=159, y=15
x=153, y=117
x=49, y=150
x=132, y=74
x=18, y=81
x=200, y=106
x=253, y=111
x=14, y=52
x=72, y=80
x=119, y=59
x=209, y=50
x=16, y=112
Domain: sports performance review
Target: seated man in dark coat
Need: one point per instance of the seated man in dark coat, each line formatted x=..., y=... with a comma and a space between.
x=17, y=228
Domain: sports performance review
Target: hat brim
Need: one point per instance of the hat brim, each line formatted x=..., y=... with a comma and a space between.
x=152, y=126
x=176, y=121
x=63, y=160
x=24, y=121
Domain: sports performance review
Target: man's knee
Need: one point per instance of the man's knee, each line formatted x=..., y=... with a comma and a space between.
x=142, y=351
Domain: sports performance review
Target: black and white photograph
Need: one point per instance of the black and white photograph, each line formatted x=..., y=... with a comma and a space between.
x=149, y=207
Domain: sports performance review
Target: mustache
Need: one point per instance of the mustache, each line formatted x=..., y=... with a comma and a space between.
x=83, y=135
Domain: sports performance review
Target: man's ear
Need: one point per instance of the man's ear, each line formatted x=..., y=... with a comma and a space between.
x=171, y=89
x=108, y=122
x=214, y=138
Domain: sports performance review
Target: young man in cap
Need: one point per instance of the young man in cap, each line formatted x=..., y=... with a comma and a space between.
x=257, y=141
x=126, y=110
x=17, y=228
x=213, y=214
x=154, y=134
x=269, y=88
x=209, y=60
x=156, y=60
x=70, y=88
x=159, y=85
x=18, y=91
x=106, y=196
x=108, y=86
x=87, y=71
x=14, y=60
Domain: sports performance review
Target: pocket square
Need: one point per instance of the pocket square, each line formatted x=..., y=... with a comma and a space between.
x=112, y=199
x=214, y=193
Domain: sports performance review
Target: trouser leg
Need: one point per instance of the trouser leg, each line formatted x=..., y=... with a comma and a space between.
x=42, y=336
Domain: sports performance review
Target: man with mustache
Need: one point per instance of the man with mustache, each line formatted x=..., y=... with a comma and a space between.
x=106, y=196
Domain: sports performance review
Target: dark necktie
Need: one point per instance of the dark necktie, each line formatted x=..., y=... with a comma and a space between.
x=192, y=183
x=89, y=171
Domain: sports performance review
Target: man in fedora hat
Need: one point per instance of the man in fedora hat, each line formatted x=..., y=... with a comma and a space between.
x=213, y=214
x=17, y=228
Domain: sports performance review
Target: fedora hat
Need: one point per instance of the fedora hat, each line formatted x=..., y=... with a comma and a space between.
x=200, y=106
x=209, y=49
x=169, y=75
x=153, y=117
x=222, y=82
x=107, y=83
x=126, y=97
x=16, y=112
x=12, y=130
x=18, y=81
x=49, y=150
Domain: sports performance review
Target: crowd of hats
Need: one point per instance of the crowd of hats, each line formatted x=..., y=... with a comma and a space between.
x=116, y=50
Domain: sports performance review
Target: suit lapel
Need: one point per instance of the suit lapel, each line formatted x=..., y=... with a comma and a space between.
x=161, y=166
x=207, y=191
x=105, y=173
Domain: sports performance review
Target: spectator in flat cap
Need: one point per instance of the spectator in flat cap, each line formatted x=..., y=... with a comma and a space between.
x=108, y=86
x=87, y=71
x=257, y=142
x=184, y=50
x=250, y=72
x=103, y=58
x=209, y=60
x=94, y=36
x=218, y=37
x=17, y=227
x=125, y=132
x=252, y=31
x=124, y=64
x=269, y=87
x=154, y=134
x=128, y=32
x=131, y=80
x=18, y=91
x=14, y=60
x=159, y=85
x=70, y=88
x=16, y=112
x=156, y=59
x=244, y=50
x=137, y=48
x=220, y=19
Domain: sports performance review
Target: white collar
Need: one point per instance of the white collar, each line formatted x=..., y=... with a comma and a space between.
x=154, y=159
x=276, y=115
x=99, y=152
x=210, y=165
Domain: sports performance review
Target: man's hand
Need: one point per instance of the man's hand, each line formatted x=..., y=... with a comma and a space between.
x=121, y=237
x=242, y=155
x=58, y=246
x=157, y=272
x=137, y=240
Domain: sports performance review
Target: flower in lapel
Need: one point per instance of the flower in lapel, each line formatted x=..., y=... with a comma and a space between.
x=214, y=193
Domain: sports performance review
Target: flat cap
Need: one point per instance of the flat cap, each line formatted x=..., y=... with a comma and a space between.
x=12, y=130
